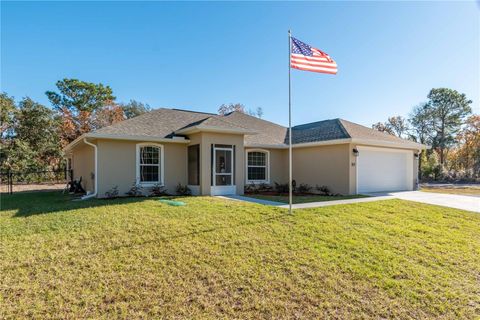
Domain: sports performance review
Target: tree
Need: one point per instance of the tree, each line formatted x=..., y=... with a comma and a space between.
x=228, y=108
x=449, y=109
x=420, y=120
x=37, y=126
x=468, y=153
x=76, y=101
x=7, y=114
x=33, y=142
x=383, y=127
x=134, y=108
x=259, y=112
x=107, y=115
x=396, y=126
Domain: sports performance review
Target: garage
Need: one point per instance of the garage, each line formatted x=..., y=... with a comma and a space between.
x=383, y=169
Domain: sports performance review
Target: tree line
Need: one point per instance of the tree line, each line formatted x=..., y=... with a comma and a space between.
x=33, y=135
x=446, y=124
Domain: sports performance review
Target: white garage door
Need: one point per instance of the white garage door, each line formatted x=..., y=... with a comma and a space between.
x=381, y=169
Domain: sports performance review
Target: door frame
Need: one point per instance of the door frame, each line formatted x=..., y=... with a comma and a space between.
x=227, y=189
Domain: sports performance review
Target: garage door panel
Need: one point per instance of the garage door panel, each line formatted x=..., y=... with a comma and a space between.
x=384, y=170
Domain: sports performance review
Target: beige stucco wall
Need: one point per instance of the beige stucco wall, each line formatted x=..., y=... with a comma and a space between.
x=207, y=139
x=323, y=165
x=83, y=165
x=117, y=165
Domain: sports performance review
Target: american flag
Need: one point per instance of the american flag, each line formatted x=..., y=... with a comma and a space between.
x=304, y=57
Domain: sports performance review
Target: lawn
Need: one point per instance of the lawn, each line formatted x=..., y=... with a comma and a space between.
x=214, y=258
x=466, y=191
x=303, y=198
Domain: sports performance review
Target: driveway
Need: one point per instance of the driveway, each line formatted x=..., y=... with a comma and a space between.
x=470, y=203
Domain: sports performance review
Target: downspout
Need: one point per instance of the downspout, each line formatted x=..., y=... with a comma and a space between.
x=94, y=194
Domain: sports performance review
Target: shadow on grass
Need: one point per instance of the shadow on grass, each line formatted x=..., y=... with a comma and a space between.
x=33, y=203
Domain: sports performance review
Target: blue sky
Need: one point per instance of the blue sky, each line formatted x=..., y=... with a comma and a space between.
x=199, y=55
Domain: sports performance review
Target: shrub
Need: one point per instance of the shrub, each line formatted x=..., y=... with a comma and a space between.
x=263, y=187
x=304, y=188
x=183, y=190
x=323, y=190
x=136, y=190
x=158, y=190
x=251, y=188
x=281, y=187
x=112, y=193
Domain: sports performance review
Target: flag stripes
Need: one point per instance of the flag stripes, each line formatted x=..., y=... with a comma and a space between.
x=305, y=57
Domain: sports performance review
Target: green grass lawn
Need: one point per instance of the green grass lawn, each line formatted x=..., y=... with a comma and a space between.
x=214, y=258
x=304, y=199
x=466, y=191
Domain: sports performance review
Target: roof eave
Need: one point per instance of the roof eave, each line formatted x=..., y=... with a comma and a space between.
x=393, y=144
x=94, y=135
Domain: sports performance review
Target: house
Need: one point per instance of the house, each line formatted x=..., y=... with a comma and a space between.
x=217, y=155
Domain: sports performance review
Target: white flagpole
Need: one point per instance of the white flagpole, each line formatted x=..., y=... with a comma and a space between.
x=290, y=195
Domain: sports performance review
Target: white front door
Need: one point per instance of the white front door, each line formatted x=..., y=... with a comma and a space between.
x=382, y=169
x=223, y=171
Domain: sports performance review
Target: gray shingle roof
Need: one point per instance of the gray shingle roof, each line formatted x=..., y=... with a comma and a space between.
x=159, y=123
x=163, y=123
x=318, y=131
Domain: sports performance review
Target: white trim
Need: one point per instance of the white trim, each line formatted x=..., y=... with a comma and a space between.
x=267, y=166
x=373, y=142
x=94, y=194
x=123, y=137
x=223, y=190
x=214, y=182
x=137, y=164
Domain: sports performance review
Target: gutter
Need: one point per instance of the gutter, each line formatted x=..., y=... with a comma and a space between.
x=94, y=194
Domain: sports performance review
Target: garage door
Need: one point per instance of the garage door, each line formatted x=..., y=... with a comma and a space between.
x=380, y=169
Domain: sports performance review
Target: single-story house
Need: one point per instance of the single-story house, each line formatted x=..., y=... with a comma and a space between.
x=219, y=154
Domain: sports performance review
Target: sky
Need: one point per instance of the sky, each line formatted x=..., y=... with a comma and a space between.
x=199, y=55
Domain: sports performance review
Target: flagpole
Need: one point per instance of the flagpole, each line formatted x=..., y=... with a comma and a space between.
x=290, y=195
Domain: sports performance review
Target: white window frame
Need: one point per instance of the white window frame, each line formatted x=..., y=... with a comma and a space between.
x=267, y=166
x=161, y=180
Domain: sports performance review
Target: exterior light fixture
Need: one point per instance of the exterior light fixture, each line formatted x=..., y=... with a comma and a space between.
x=355, y=152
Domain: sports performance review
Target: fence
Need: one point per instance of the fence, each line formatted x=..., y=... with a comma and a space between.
x=13, y=181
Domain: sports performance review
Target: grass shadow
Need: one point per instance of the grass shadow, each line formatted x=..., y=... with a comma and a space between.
x=32, y=203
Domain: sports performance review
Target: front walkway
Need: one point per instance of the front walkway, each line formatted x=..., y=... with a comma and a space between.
x=469, y=203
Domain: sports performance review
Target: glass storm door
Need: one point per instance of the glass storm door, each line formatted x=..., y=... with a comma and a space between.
x=223, y=165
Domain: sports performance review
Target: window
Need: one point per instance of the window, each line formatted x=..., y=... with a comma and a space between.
x=258, y=166
x=194, y=165
x=149, y=164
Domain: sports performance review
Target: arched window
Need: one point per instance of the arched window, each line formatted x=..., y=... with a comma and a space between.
x=258, y=166
x=149, y=164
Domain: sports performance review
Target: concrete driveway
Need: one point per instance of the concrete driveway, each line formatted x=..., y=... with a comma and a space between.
x=470, y=203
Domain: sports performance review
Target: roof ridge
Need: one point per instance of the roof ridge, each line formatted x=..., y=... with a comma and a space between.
x=184, y=110
x=343, y=127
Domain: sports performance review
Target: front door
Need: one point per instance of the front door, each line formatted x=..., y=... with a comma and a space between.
x=223, y=171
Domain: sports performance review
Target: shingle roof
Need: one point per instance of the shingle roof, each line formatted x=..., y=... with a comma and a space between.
x=163, y=123
x=318, y=131
x=160, y=123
